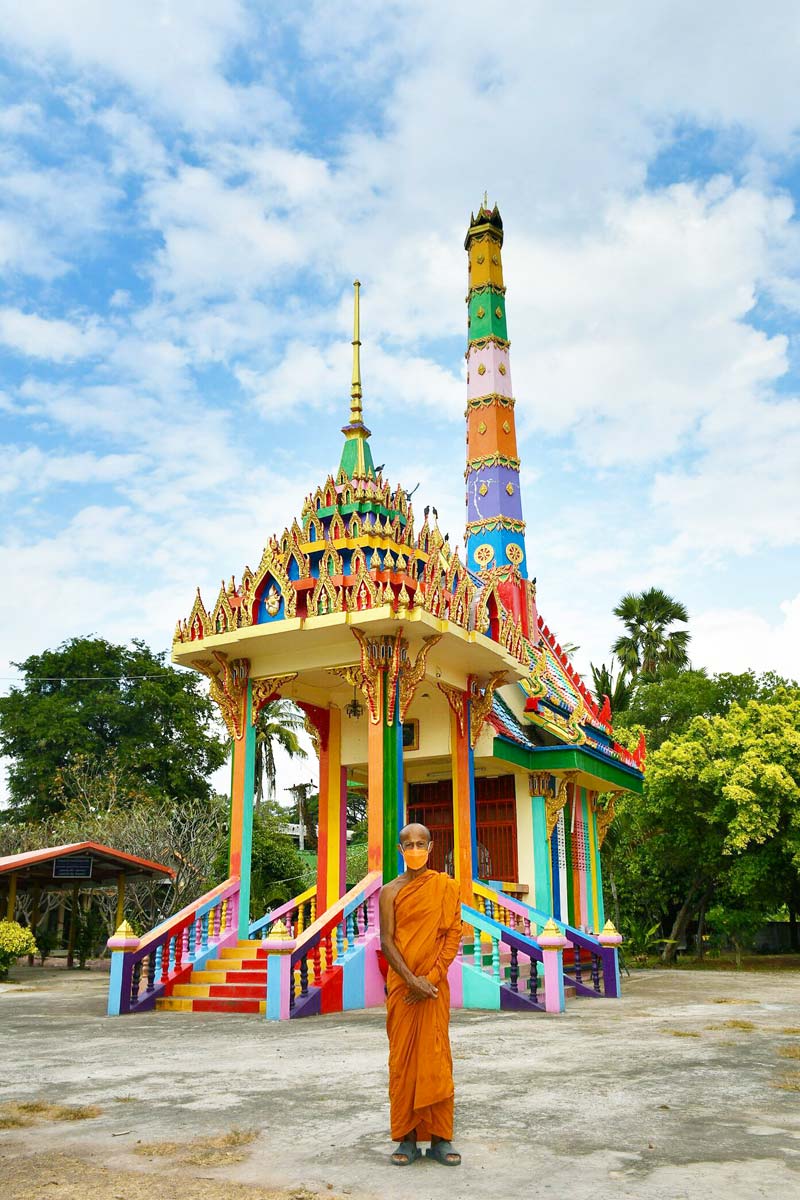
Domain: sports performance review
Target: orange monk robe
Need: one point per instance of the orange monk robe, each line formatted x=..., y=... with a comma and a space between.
x=427, y=934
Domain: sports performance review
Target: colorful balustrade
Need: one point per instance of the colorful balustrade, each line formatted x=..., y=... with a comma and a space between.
x=332, y=964
x=597, y=954
x=143, y=970
x=235, y=980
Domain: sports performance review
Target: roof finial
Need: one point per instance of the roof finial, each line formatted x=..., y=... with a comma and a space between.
x=486, y=201
x=356, y=416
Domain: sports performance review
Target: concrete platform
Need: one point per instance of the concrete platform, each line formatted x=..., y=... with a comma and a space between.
x=654, y=1097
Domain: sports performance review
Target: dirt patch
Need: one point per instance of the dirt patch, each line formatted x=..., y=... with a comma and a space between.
x=62, y=1177
x=790, y=1082
x=16, y=1114
x=202, y=1152
x=743, y=1026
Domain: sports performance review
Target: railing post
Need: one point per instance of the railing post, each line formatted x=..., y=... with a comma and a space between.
x=610, y=939
x=280, y=979
x=552, y=942
x=122, y=944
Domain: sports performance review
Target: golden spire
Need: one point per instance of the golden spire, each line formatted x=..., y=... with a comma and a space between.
x=356, y=416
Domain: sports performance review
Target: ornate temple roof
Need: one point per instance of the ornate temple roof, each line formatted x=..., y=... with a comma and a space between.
x=354, y=548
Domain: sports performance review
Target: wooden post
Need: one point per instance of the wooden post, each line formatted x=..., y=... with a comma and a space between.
x=120, y=900
x=73, y=920
x=12, y=896
x=34, y=917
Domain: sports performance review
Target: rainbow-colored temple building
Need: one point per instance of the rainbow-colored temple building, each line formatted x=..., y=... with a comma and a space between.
x=437, y=685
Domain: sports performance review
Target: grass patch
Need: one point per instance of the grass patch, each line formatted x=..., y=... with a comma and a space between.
x=681, y=1033
x=743, y=1026
x=202, y=1152
x=791, y=1030
x=789, y=1051
x=790, y=1082
x=724, y=1000
x=17, y=1114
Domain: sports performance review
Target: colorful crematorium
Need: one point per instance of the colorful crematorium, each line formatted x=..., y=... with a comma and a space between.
x=435, y=684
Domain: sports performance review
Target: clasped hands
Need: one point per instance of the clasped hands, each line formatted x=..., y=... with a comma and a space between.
x=420, y=988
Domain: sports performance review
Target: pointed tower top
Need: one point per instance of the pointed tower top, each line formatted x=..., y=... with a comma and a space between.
x=355, y=389
x=487, y=221
x=356, y=461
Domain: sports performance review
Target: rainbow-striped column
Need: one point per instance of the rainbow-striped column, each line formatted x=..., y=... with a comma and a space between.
x=495, y=528
x=243, y=773
x=332, y=843
x=393, y=797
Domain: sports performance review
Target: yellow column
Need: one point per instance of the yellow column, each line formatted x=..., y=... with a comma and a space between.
x=120, y=900
x=73, y=920
x=462, y=814
x=12, y=896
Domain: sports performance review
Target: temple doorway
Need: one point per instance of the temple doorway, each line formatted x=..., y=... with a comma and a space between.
x=432, y=804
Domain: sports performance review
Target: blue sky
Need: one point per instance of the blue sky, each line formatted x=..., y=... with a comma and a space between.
x=188, y=189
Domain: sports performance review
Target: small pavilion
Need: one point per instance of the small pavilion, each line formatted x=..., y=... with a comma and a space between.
x=72, y=869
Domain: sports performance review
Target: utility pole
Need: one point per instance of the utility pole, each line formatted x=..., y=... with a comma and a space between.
x=300, y=792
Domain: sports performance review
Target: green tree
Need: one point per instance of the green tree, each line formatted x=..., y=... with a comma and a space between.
x=278, y=725
x=719, y=819
x=650, y=643
x=91, y=698
x=278, y=870
x=617, y=687
x=663, y=707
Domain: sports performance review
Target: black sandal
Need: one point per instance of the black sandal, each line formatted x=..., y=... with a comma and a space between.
x=411, y=1151
x=443, y=1153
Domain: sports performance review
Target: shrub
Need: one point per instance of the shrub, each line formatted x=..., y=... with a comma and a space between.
x=15, y=940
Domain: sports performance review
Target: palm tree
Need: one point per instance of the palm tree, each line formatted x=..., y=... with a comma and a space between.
x=617, y=688
x=650, y=643
x=277, y=724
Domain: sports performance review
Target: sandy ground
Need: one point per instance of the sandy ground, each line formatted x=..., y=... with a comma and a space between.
x=686, y=1089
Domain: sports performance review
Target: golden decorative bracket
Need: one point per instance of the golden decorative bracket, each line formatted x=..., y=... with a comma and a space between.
x=481, y=706
x=265, y=689
x=411, y=677
x=457, y=701
x=228, y=689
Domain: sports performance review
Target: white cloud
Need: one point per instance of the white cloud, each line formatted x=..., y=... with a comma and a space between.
x=33, y=471
x=729, y=639
x=171, y=55
x=53, y=339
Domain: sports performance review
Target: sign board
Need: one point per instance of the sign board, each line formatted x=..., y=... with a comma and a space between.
x=74, y=867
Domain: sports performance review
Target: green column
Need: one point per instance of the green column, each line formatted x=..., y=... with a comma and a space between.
x=247, y=816
x=393, y=806
x=541, y=856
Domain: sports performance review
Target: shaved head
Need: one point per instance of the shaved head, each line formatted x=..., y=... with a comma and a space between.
x=414, y=831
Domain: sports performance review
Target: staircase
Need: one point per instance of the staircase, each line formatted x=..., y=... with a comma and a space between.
x=233, y=982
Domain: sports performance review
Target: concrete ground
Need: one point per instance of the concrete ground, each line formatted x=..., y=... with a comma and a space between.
x=686, y=1089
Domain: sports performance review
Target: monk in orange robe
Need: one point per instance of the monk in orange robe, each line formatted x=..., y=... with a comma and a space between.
x=420, y=934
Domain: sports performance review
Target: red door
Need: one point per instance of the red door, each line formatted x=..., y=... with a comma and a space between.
x=431, y=804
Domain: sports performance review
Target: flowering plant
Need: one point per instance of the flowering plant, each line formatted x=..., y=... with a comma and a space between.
x=15, y=940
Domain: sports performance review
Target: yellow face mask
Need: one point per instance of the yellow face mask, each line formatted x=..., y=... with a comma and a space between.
x=414, y=859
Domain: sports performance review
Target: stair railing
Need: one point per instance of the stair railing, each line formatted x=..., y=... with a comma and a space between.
x=296, y=966
x=603, y=963
x=296, y=915
x=142, y=969
x=517, y=944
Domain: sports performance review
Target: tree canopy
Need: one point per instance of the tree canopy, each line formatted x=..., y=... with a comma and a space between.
x=716, y=834
x=98, y=701
x=650, y=642
x=277, y=725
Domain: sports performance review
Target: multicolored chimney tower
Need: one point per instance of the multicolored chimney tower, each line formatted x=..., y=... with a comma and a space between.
x=495, y=534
